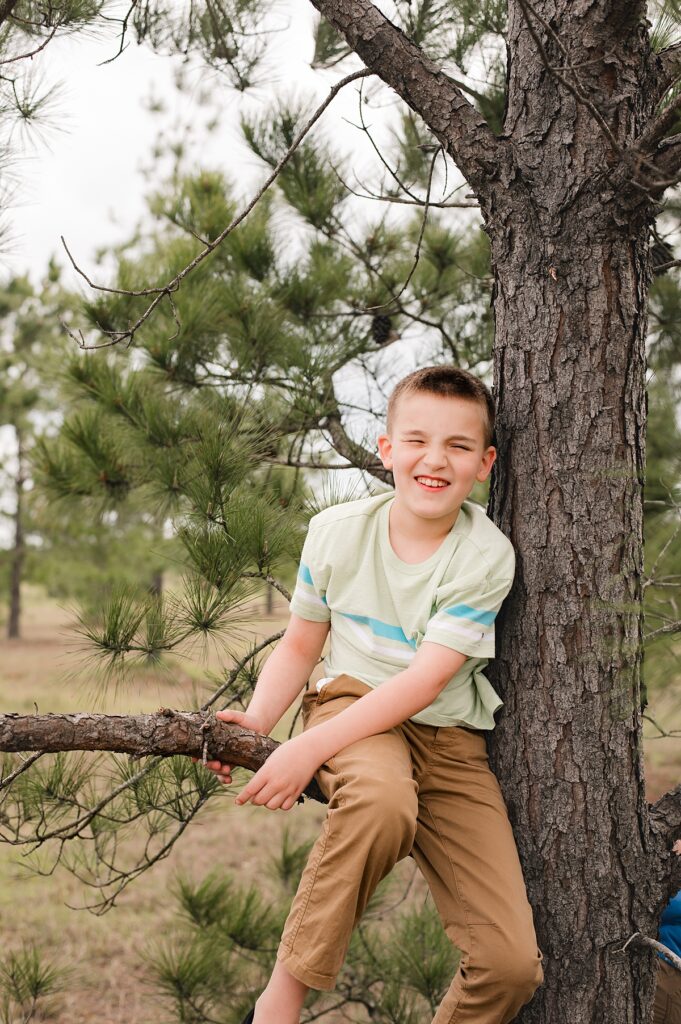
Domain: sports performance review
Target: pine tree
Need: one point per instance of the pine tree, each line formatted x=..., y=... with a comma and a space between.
x=569, y=173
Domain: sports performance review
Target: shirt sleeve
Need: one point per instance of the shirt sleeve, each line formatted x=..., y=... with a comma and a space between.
x=464, y=613
x=309, y=596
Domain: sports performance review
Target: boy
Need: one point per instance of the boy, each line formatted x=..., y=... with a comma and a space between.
x=408, y=584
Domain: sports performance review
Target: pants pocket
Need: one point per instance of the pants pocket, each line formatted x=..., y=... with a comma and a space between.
x=310, y=700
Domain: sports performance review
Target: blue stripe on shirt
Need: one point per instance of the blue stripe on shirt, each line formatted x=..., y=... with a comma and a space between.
x=464, y=611
x=383, y=629
x=305, y=574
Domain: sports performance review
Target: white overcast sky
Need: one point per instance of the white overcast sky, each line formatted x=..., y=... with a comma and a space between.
x=85, y=181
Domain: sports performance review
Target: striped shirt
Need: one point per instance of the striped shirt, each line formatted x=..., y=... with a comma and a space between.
x=381, y=609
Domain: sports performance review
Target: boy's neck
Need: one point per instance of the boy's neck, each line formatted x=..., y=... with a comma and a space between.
x=414, y=539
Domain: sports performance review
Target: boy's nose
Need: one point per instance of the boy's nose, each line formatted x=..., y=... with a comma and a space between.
x=435, y=459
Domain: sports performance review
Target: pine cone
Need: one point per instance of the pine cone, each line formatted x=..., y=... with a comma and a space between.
x=380, y=329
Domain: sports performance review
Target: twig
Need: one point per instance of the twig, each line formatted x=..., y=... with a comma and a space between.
x=417, y=254
x=32, y=53
x=377, y=150
x=8, y=779
x=663, y=732
x=118, y=336
x=638, y=939
x=268, y=578
x=670, y=627
x=238, y=667
x=667, y=266
x=404, y=202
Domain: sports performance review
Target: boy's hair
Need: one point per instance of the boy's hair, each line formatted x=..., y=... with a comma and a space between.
x=449, y=382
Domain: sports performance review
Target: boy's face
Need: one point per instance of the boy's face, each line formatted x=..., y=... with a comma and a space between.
x=436, y=451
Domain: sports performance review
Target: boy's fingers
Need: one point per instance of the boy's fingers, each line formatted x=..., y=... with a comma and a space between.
x=229, y=716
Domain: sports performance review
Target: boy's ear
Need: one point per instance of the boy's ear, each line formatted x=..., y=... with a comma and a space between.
x=385, y=451
x=486, y=464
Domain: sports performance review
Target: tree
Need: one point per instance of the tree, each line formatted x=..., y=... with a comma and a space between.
x=568, y=189
x=30, y=347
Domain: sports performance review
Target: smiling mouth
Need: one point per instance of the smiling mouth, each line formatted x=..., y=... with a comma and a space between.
x=432, y=483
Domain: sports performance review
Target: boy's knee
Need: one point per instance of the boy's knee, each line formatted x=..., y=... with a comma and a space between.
x=385, y=814
x=521, y=971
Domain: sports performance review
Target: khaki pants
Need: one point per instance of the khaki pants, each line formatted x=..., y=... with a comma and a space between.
x=667, y=1006
x=428, y=792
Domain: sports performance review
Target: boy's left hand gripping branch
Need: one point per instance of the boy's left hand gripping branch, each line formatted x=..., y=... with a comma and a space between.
x=163, y=734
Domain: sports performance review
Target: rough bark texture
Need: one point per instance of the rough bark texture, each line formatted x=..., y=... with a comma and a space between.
x=570, y=261
x=165, y=733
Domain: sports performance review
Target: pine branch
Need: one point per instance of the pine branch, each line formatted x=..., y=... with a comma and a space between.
x=167, y=290
x=164, y=734
x=388, y=53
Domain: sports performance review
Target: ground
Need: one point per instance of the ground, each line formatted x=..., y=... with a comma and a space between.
x=109, y=983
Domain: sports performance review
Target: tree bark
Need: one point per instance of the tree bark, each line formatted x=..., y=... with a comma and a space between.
x=18, y=547
x=572, y=276
x=164, y=734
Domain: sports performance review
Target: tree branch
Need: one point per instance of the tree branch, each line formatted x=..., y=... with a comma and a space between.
x=163, y=734
x=670, y=68
x=637, y=939
x=388, y=53
x=6, y=8
x=665, y=824
x=117, y=337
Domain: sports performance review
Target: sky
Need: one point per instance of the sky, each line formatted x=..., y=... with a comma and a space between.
x=82, y=176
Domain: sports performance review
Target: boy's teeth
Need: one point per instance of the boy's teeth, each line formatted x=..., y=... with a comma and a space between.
x=431, y=483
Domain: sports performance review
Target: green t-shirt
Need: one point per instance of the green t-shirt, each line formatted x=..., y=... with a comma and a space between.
x=381, y=608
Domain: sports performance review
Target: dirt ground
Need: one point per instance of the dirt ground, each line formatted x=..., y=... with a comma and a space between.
x=108, y=983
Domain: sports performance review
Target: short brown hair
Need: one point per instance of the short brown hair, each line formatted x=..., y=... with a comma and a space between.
x=448, y=382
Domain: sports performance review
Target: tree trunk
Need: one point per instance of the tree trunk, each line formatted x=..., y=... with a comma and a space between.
x=162, y=734
x=571, y=272
x=18, y=548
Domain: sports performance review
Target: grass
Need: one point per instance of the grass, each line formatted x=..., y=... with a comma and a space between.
x=108, y=983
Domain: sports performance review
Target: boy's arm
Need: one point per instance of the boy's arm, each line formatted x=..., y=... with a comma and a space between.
x=284, y=674
x=289, y=769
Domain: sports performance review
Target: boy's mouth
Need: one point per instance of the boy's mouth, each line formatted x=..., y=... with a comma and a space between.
x=433, y=483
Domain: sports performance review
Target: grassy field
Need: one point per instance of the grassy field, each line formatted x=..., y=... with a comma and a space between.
x=109, y=984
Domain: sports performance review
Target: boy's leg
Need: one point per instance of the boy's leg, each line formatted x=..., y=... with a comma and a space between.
x=465, y=848
x=369, y=826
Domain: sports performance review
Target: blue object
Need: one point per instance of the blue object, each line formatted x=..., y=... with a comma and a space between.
x=670, y=926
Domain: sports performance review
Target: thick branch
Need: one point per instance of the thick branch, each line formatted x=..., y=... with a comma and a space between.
x=402, y=65
x=6, y=8
x=353, y=452
x=665, y=823
x=670, y=68
x=666, y=814
x=164, y=733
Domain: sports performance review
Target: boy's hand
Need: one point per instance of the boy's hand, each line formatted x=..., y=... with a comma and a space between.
x=283, y=777
x=246, y=721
